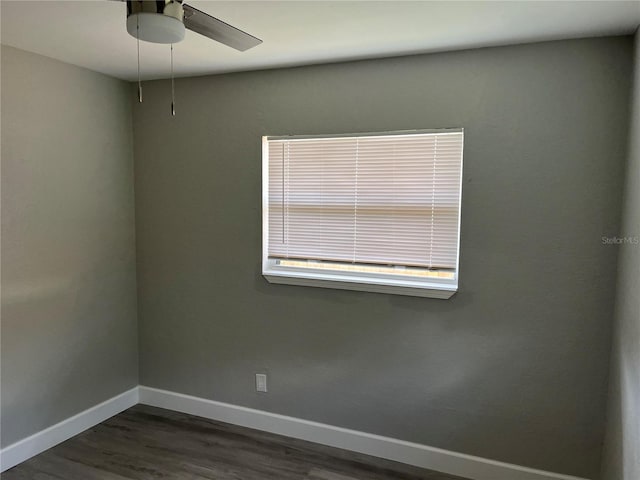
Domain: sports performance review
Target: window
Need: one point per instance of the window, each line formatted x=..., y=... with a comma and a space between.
x=373, y=212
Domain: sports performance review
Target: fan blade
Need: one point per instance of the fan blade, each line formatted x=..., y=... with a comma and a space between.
x=217, y=30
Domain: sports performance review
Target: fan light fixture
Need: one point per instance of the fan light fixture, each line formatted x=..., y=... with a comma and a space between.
x=157, y=22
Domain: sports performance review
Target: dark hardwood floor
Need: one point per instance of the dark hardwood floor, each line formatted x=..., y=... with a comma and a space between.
x=147, y=443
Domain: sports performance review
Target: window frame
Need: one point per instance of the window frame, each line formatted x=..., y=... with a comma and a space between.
x=442, y=288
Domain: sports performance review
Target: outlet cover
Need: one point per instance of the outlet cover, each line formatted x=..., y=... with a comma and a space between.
x=261, y=382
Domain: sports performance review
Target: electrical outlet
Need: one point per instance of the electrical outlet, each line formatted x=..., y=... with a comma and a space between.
x=261, y=382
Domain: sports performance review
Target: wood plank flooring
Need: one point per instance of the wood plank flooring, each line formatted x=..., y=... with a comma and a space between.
x=147, y=443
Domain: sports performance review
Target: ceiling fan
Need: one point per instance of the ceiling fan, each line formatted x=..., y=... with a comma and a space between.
x=165, y=21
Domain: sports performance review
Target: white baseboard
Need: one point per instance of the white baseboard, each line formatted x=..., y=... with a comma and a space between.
x=390, y=448
x=378, y=446
x=58, y=433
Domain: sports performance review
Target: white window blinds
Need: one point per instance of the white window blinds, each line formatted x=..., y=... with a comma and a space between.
x=390, y=200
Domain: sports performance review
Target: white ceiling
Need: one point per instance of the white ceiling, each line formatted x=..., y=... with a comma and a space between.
x=92, y=34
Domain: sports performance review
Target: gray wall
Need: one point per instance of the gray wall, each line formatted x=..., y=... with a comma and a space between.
x=514, y=367
x=622, y=447
x=69, y=335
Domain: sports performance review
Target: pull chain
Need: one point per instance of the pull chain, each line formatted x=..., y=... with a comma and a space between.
x=138, y=41
x=173, y=91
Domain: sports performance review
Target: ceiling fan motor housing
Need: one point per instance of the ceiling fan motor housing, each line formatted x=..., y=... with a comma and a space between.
x=157, y=22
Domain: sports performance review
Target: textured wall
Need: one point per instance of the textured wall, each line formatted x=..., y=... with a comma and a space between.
x=69, y=335
x=514, y=366
x=622, y=448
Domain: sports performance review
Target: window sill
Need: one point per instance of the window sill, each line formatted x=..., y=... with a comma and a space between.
x=394, y=287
